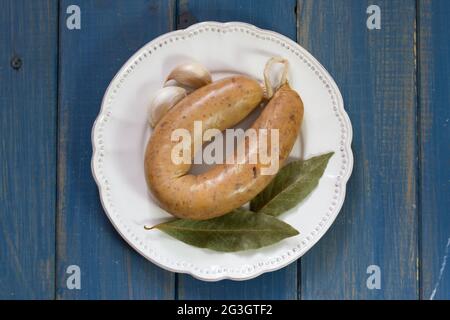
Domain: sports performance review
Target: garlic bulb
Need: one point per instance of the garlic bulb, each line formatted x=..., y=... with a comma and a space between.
x=190, y=74
x=164, y=99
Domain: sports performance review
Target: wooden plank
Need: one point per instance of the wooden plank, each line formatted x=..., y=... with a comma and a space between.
x=28, y=80
x=434, y=97
x=375, y=70
x=278, y=16
x=111, y=31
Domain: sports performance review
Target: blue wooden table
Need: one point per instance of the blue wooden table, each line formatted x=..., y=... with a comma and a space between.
x=392, y=237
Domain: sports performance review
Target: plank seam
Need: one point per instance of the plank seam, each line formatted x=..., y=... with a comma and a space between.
x=58, y=100
x=299, y=261
x=419, y=151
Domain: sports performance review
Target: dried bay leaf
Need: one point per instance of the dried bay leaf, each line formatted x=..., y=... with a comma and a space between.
x=236, y=231
x=293, y=183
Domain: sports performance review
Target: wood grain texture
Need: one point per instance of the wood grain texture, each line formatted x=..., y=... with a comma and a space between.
x=111, y=31
x=394, y=179
x=375, y=70
x=278, y=16
x=27, y=148
x=434, y=116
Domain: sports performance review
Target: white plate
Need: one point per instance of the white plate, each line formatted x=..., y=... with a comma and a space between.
x=120, y=134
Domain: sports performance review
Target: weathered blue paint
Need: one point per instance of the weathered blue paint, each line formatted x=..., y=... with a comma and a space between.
x=434, y=119
x=111, y=31
x=375, y=70
x=396, y=212
x=278, y=16
x=28, y=82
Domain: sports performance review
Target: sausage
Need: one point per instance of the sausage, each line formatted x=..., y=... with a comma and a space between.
x=225, y=187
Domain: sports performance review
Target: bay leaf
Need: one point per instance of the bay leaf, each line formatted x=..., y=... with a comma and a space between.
x=293, y=183
x=238, y=230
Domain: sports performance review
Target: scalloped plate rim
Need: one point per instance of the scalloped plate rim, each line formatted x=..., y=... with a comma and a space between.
x=345, y=177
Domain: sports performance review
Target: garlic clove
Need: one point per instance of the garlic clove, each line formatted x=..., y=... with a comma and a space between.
x=163, y=101
x=191, y=74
